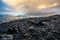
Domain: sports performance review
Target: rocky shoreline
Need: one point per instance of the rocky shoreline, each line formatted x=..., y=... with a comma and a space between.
x=38, y=28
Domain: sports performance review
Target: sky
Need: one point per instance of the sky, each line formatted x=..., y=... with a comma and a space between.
x=21, y=7
x=5, y=9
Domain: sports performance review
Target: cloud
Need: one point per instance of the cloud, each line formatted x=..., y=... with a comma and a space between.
x=12, y=13
x=16, y=3
x=31, y=4
x=48, y=6
x=34, y=6
x=45, y=12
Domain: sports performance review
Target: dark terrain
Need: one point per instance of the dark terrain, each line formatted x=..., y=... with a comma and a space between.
x=39, y=28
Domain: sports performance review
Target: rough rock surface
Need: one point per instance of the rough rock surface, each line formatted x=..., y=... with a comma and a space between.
x=39, y=28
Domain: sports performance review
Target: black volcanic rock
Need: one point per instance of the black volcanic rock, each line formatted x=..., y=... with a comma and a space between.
x=39, y=28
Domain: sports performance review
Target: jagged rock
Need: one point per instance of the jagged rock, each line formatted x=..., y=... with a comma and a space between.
x=39, y=28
